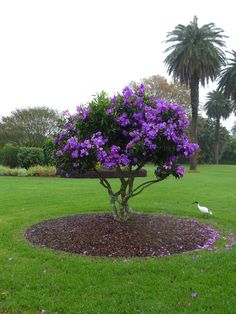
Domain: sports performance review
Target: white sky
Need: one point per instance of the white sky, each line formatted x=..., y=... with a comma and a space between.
x=60, y=53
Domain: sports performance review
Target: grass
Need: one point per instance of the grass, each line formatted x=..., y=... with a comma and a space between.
x=32, y=279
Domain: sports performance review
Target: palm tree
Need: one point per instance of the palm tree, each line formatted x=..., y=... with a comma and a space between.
x=217, y=107
x=227, y=80
x=195, y=58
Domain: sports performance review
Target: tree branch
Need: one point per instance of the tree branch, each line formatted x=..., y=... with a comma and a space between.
x=144, y=186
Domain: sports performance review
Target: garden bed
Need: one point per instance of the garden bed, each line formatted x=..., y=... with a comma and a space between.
x=142, y=235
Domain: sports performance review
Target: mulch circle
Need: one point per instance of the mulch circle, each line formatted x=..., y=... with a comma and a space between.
x=142, y=235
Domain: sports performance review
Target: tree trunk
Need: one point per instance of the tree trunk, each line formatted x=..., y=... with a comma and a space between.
x=194, y=94
x=120, y=208
x=119, y=202
x=217, y=139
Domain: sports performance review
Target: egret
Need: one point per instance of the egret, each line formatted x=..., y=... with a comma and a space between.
x=203, y=210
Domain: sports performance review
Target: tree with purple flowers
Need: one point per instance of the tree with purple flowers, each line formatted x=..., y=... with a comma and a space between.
x=125, y=132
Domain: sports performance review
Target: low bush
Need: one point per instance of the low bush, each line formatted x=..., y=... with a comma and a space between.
x=3, y=170
x=39, y=171
x=22, y=172
x=30, y=156
x=42, y=171
x=12, y=172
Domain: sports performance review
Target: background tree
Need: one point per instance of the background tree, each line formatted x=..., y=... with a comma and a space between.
x=227, y=80
x=9, y=155
x=233, y=130
x=194, y=58
x=130, y=130
x=229, y=154
x=217, y=107
x=206, y=141
x=172, y=92
x=28, y=127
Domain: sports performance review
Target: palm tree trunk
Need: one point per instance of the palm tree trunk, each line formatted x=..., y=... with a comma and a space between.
x=194, y=94
x=217, y=140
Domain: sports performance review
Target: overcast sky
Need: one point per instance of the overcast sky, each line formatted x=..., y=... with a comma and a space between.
x=60, y=53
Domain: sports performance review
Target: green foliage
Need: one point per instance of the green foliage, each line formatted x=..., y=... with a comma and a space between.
x=217, y=106
x=48, y=149
x=3, y=170
x=195, y=52
x=12, y=172
x=229, y=154
x=42, y=171
x=9, y=155
x=30, y=156
x=22, y=172
x=28, y=127
x=206, y=140
x=227, y=81
x=1, y=156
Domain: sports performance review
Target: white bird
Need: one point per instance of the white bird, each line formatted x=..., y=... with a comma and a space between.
x=203, y=210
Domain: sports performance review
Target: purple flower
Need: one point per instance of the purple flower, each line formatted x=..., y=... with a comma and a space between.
x=194, y=294
x=59, y=153
x=179, y=172
x=141, y=129
x=55, y=141
x=84, y=153
x=125, y=133
x=110, y=111
x=75, y=154
x=83, y=112
x=123, y=119
x=62, y=135
x=69, y=127
x=72, y=142
x=113, y=100
x=138, y=116
x=141, y=90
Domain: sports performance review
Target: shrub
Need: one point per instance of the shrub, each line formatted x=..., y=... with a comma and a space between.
x=42, y=171
x=9, y=155
x=22, y=172
x=3, y=170
x=12, y=172
x=30, y=156
x=48, y=149
x=131, y=129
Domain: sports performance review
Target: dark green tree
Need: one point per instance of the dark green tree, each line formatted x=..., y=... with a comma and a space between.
x=233, y=130
x=217, y=107
x=195, y=57
x=28, y=127
x=229, y=154
x=206, y=138
x=227, y=80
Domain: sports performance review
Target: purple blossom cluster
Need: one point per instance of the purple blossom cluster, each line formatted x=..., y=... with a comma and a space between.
x=139, y=129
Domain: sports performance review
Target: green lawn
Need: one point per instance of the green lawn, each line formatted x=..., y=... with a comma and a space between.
x=34, y=278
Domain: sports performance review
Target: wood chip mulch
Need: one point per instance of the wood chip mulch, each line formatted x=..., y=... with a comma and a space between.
x=142, y=235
